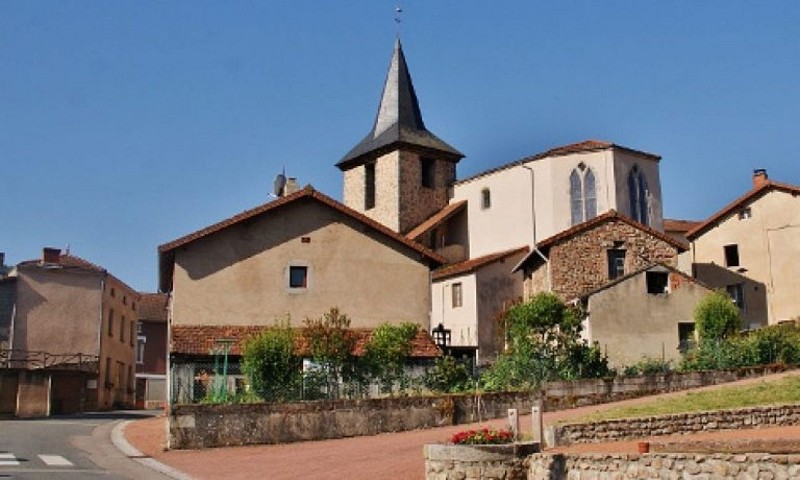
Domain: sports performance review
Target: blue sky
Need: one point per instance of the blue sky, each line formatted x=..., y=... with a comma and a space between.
x=124, y=125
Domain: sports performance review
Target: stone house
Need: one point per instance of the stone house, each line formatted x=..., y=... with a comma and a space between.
x=751, y=248
x=151, y=350
x=645, y=314
x=593, y=253
x=72, y=337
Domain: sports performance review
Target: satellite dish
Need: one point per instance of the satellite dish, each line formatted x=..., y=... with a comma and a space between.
x=280, y=182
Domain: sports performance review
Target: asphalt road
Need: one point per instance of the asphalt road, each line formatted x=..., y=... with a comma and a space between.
x=74, y=447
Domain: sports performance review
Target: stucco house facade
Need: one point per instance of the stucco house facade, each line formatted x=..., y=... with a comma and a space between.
x=72, y=337
x=751, y=248
x=646, y=314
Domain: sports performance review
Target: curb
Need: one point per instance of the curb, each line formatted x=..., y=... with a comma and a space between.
x=119, y=441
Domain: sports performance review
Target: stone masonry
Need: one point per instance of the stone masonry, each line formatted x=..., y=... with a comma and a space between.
x=579, y=263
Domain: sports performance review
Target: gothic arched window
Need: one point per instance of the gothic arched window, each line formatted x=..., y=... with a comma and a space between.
x=582, y=194
x=637, y=195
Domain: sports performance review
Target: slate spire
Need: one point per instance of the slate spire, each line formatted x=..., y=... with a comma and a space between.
x=399, y=120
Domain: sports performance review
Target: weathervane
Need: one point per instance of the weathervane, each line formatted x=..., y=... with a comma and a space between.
x=398, y=17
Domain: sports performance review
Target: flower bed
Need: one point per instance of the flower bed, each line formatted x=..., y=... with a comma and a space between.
x=483, y=436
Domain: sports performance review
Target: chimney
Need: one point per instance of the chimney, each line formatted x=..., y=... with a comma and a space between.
x=759, y=177
x=51, y=255
x=291, y=186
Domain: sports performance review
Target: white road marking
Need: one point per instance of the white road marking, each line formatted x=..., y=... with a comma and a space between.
x=55, y=461
x=8, y=460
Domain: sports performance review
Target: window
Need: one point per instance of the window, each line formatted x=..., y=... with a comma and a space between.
x=298, y=277
x=685, y=336
x=369, y=186
x=486, y=199
x=657, y=282
x=124, y=299
x=616, y=263
x=458, y=296
x=428, y=167
x=108, y=372
x=140, y=343
x=139, y=327
x=637, y=195
x=113, y=292
x=122, y=329
x=133, y=333
x=731, y=255
x=745, y=213
x=582, y=194
x=736, y=292
x=111, y=322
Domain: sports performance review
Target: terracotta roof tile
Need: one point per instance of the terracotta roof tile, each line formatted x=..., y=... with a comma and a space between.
x=153, y=306
x=202, y=340
x=748, y=197
x=473, y=264
x=580, y=147
x=166, y=251
x=679, y=226
x=436, y=219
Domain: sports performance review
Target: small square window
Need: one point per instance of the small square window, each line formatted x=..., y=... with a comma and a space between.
x=458, y=295
x=616, y=263
x=298, y=277
x=685, y=336
x=657, y=282
x=736, y=292
x=745, y=213
x=731, y=255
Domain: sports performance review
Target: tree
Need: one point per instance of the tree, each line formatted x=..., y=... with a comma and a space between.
x=544, y=343
x=330, y=343
x=716, y=317
x=386, y=353
x=270, y=364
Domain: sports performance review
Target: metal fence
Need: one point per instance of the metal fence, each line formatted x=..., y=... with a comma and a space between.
x=34, y=360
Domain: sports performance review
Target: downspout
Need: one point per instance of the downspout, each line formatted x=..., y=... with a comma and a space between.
x=534, y=247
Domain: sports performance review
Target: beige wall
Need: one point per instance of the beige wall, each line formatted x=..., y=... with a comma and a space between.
x=769, y=254
x=508, y=223
x=65, y=311
x=461, y=321
x=630, y=324
x=238, y=276
x=497, y=290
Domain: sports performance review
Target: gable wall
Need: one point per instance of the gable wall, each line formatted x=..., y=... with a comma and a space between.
x=769, y=255
x=580, y=263
x=239, y=276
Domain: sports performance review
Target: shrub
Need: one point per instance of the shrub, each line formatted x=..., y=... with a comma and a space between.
x=716, y=317
x=448, y=375
x=270, y=364
x=386, y=354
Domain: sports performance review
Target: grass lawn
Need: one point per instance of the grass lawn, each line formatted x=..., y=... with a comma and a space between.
x=783, y=391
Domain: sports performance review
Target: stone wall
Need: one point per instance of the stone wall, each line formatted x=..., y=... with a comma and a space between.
x=678, y=424
x=203, y=426
x=580, y=263
x=462, y=462
x=662, y=466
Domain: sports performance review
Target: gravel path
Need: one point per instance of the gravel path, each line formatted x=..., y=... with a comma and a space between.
x=395, y=455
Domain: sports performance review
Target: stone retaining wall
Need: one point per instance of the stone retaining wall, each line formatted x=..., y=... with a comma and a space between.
x=544, y=466
x=203, y=426
x=468, y=462
x=679, y=424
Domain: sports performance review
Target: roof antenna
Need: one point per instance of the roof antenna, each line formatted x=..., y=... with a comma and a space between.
x=398, y=18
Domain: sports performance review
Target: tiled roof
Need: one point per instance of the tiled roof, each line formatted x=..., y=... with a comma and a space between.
x=166, y=251
x=69, y=261
x=473, y=264
x=748, y=197
x=202, y=340
x=606, y=217
x=153, y=306
x=436, y=219
x=580, y=147
x=679, y=226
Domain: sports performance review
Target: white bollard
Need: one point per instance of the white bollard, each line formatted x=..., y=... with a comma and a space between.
x=536, y=418
x=513, y=422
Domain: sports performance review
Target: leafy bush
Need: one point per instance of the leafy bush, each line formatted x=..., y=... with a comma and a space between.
x=330, y=344
x=716, y=317
x=768, y=345
x=484, y=436
x=386, y=354
x=649, y=366
x=270, y=364
x=448, y=375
